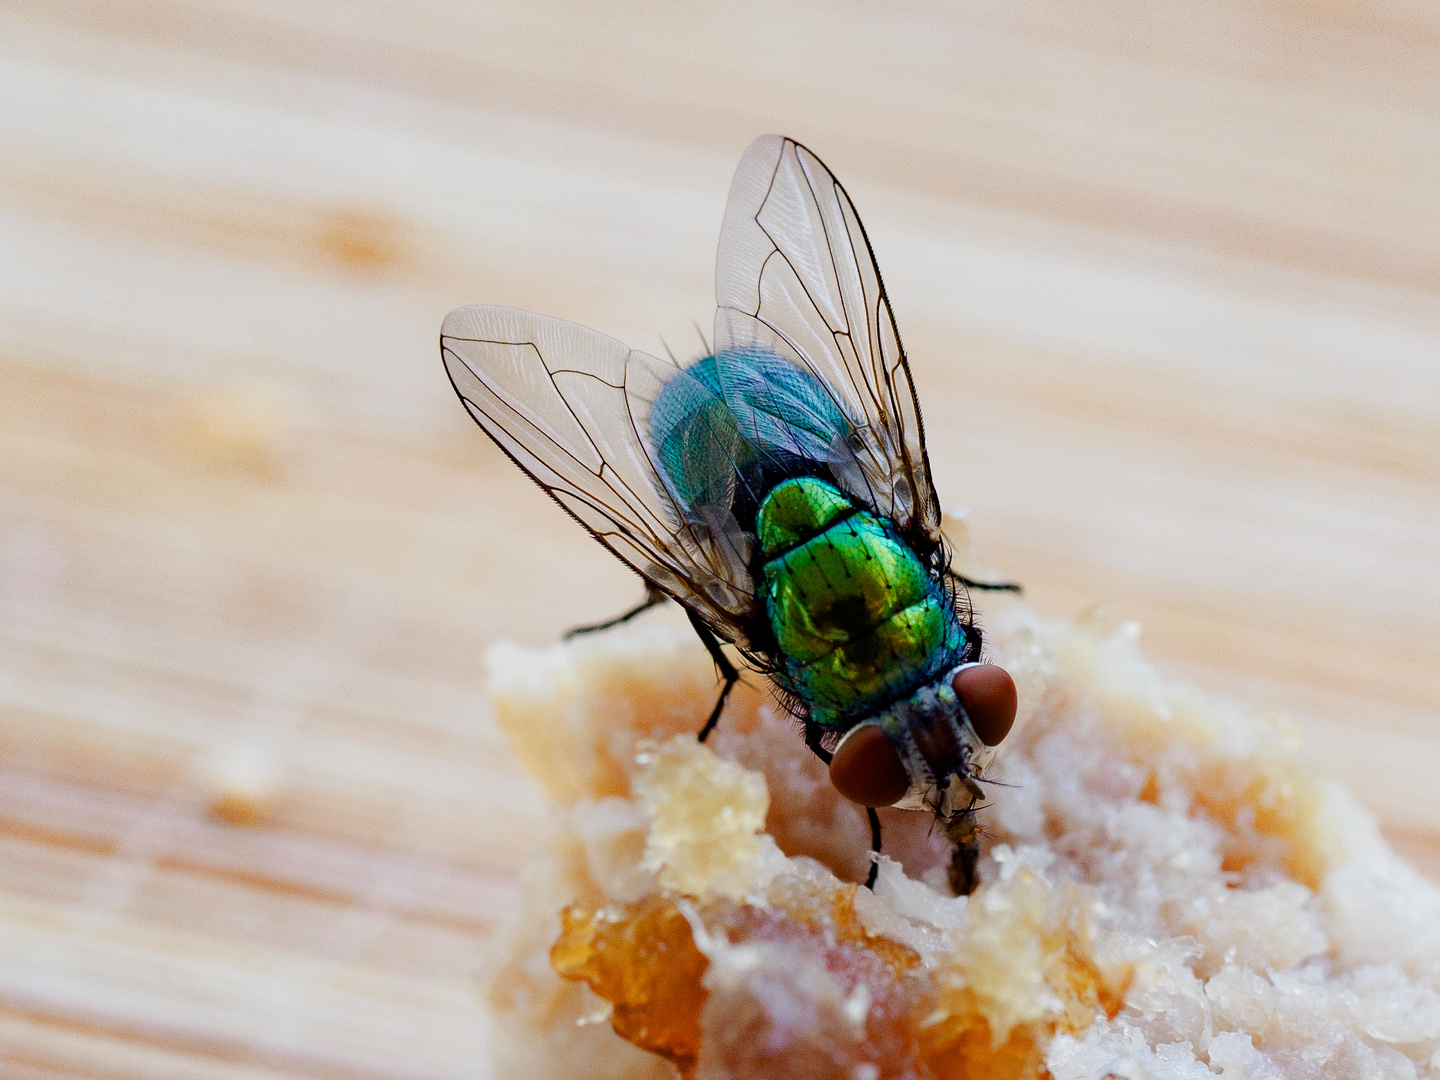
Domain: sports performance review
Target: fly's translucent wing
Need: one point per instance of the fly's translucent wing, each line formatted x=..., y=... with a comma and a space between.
x=795, y=274
x=571, y=407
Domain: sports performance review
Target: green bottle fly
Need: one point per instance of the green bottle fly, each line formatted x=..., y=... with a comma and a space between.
x=778, y=488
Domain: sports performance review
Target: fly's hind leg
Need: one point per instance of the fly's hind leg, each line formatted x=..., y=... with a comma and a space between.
x=986, y=586
x=653, y=596
x=722, y=664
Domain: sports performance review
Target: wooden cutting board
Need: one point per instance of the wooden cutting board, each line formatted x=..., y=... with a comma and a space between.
x=1170, y=281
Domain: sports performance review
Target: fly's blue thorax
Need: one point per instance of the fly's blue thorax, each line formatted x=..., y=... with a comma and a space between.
x=731, y=425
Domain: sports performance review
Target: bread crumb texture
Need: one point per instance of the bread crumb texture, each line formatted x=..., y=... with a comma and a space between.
x=1169, y=889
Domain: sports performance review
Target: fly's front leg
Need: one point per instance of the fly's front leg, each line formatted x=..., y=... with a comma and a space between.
x=987, y=586
x=813, y=734
x=653, y=596
x=722, y=664
x=874, y=846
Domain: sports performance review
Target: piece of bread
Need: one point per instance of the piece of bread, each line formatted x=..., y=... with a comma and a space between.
x=1168, y=889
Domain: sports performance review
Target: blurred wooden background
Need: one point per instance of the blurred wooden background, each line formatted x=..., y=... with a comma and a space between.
x=1170, y=279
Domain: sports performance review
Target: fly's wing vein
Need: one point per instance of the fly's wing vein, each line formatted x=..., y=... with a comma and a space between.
x=570, y=406
x=795, y=273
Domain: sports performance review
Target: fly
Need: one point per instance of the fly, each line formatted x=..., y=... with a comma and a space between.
x=777, y=488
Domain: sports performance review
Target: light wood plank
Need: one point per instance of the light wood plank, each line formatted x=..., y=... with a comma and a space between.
x=1170, y=280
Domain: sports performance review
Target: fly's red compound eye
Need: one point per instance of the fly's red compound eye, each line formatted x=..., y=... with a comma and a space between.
x=866, y=768
x=988, y=694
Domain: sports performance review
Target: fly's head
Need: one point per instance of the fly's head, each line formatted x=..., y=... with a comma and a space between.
x=929, y=752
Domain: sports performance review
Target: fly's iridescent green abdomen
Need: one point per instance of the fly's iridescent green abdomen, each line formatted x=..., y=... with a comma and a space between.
x=858, y=620
x=856, y=616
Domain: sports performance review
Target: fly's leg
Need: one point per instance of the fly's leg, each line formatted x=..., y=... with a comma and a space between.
x=813, y=734
x=988, y=586
x=722, y=663
x=874, y=846
x=653, y=596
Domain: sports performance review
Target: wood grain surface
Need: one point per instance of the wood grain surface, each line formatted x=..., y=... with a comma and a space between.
x=1169, y=275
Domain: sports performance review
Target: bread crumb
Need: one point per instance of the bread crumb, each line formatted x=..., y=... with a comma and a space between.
x=240, y=785
x=1168, y=889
